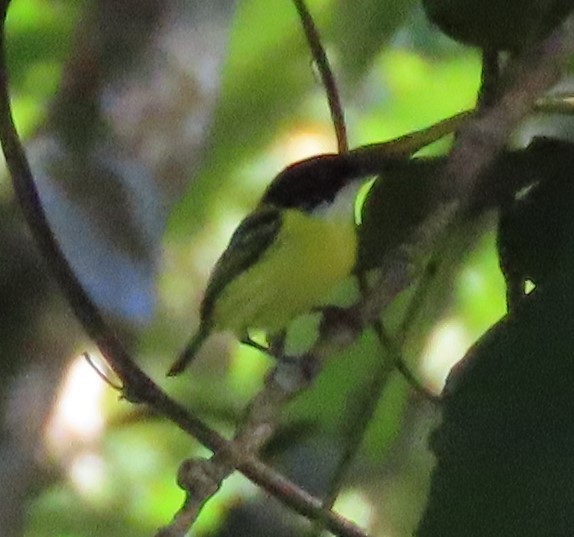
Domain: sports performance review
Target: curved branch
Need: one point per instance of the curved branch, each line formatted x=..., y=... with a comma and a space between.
x=327, y=77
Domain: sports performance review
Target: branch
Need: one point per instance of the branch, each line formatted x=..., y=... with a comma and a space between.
x=561, y=103
x=379, y=154
x=327, y=77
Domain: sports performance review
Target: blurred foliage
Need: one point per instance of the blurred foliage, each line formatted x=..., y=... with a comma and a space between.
x=396, y=75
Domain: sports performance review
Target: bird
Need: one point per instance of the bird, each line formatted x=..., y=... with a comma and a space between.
x=287, y=255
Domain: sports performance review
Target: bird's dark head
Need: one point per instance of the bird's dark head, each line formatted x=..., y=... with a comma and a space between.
x=310, y=183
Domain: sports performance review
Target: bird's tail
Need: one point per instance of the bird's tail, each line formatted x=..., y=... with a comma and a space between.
x=190, y=351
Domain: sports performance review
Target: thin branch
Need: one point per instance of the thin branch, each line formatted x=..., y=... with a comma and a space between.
x=365, y=401
x=561, y=103
x=327, y=77
x=113, y=385
x=378, y=154
x=368, y=397
x=282, y=385
x=489, y=79
x=526, y=79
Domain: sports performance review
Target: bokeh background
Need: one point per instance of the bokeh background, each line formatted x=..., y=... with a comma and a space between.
x=153, y=127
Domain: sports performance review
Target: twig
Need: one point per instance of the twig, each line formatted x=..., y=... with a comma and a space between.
x=355, y=435
x=561, y=103
x=526, y=78
x=284, y=383
x=489, y=79
x=368, y=397
x=114, y=385
x=365, y=399
x=327, y=77
x=378, y=154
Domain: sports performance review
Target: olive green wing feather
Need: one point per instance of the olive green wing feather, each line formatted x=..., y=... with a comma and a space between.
x=249, y=242
x=247, y=245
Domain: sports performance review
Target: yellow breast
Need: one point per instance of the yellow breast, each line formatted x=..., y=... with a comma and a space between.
x=309, y=257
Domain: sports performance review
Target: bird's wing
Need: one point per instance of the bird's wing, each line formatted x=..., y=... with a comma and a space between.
x=248, y=243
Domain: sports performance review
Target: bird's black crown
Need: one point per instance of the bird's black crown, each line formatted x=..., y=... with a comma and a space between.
x=311, y=182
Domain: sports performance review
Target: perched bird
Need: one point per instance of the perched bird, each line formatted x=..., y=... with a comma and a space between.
x=287, y=255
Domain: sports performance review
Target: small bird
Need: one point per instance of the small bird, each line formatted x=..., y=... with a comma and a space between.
x=287, y=255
